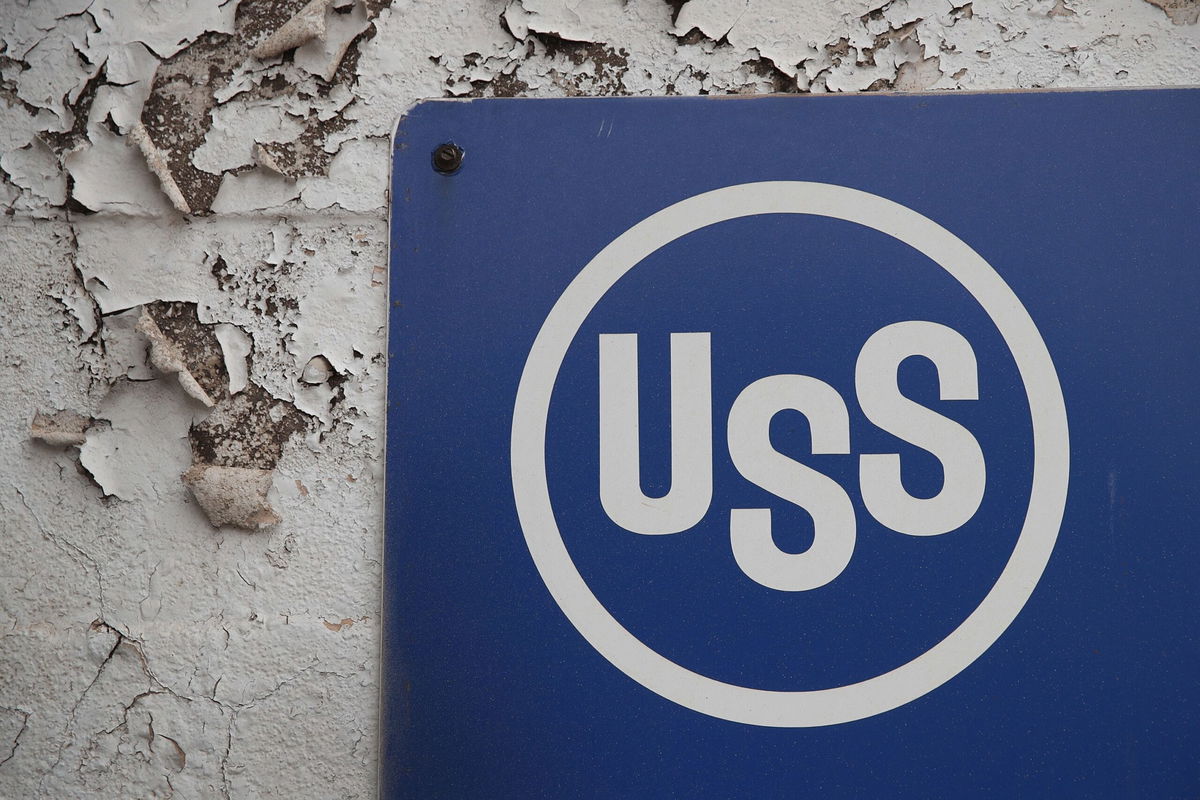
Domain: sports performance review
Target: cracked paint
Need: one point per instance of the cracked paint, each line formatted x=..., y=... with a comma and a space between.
x=219, y=170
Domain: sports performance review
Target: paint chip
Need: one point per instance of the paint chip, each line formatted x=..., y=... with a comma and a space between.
x=318, y=370
x=233, y=495
x=306, y=25
x=1181, y=12
x=64, y=428
x=167, y=357
x=159, y=164
x=266, y=158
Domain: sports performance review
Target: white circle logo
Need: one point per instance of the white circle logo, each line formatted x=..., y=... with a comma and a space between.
x=791, y=709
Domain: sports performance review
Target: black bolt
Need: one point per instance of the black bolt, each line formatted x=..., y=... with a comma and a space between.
x=447, y=158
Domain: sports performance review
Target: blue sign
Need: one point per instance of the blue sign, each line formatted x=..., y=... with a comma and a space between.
x=795, y=447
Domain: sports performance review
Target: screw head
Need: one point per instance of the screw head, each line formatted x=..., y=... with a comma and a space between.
x=447, y=158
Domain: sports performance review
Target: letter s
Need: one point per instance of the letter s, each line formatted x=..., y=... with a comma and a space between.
x=952, y=444
x=831, y=510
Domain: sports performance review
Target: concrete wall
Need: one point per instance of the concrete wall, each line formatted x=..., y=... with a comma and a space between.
x=193, y=206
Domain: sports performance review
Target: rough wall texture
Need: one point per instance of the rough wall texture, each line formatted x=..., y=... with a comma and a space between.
x=193, y=205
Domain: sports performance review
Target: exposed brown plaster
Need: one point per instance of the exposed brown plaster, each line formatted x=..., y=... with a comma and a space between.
x=247, y=430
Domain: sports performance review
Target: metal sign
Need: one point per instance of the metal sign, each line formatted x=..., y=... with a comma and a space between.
x=777, y=447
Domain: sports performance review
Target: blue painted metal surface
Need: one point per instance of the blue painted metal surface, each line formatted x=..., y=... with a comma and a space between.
x=1085, y=206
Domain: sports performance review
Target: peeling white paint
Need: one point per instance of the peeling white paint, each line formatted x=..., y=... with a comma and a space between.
x=574, y=21
x=164, y=26
x=138, y=456
x=129, y=70
x=125, y=348
x=44, y=83
x=35, y=168
x=355, y=182
x=145, y=648
x=257, y=190
x=323, y=55
x=236, y=347
x=162, y=266
x=109, y=174
x=327, y=328
x=236, y=127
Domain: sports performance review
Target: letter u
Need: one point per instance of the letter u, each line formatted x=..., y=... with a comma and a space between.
x=688, y=499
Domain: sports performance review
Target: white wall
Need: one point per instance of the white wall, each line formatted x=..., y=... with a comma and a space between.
x=145, y=652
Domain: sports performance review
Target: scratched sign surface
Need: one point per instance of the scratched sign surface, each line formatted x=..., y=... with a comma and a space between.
x=785, y=446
